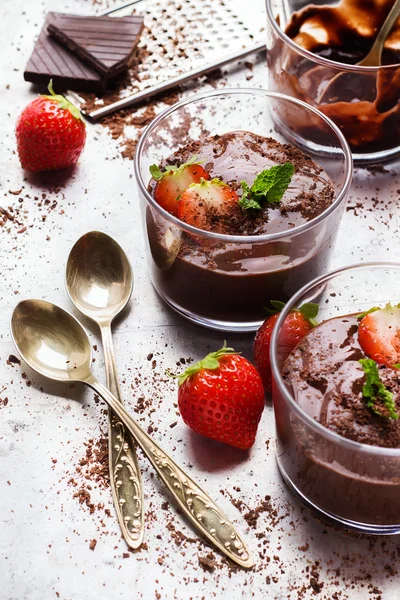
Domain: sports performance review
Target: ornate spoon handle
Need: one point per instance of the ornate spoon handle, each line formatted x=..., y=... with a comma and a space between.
x=125, y=479
x=195, y=503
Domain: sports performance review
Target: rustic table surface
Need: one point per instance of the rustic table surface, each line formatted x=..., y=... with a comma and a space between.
x=58, y=533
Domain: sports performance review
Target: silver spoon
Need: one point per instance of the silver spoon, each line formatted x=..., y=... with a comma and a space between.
x=53, y=343
x=373, y=58
x=99, y=281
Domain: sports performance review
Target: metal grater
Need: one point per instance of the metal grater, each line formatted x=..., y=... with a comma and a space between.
x=182, y=40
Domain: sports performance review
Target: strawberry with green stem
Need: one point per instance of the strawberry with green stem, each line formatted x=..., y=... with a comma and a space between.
x=50, y=133
x=174, y=180
x=222, y=397
x=296, y=325
x=206, y=204
x=379, y=334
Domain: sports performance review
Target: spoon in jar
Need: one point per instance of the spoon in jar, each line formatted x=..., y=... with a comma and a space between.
x=99, y=281
x=54, y=344
x=373, y=58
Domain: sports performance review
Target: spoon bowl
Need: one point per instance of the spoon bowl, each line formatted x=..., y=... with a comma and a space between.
x=99, y=277
x=51, y=341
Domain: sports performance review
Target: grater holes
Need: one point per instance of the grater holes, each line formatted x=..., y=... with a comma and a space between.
x=181, y=35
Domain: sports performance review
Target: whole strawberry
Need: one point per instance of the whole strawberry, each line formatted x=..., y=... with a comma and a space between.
x=297, y=324
x=222, y=397
x=50, y=134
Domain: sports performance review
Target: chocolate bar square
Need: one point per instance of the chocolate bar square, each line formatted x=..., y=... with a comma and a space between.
x=50, y=60
x=106, y=44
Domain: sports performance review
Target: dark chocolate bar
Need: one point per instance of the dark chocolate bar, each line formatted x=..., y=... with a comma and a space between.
x=50, y=60
x=107, y=44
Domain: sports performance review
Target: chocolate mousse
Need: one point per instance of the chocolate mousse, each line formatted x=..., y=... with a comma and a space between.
x=365, y=105
x=232, y=281
x=327, y=380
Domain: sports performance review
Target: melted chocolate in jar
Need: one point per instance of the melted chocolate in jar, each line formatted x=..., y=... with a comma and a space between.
x=236, y=281
x=365, y=106
x=326, y=380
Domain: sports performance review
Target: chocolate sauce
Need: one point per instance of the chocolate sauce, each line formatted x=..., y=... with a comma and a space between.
x=366, y=106
x=235, y=281
x=326, y=380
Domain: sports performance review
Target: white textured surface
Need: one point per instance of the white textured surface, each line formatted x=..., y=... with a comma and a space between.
x=44, y=531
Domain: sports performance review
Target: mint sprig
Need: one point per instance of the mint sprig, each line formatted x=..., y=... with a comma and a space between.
x=158, y=174
x=268, y=187
x=375, y=391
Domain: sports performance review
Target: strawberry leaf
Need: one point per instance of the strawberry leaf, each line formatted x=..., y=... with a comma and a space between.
x=278, y=304
x=211, y=361
x=277, y=307
x=309, y=311
x=157, y=174
x=64, y=103
x=375, y=391
x=367, y=312
x=375, y=308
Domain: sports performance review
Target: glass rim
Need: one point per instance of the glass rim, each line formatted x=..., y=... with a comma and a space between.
x=320, y=59
x=312, y=423
x=348, y=167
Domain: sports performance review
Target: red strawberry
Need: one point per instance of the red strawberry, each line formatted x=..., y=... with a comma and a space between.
x=50, y=133
x=379, y=335
x=297, y=324
x=172, y=182
x=222, y=397
x=203, y=204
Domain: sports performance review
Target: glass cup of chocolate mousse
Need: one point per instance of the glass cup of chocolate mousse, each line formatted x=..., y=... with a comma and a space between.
x=235, y=216
x=336, y=397
x=312, y=54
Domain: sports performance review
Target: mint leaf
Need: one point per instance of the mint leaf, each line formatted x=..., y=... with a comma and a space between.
x=310, y=311
x=374, y=390
x=246, y=202
x=271, y=184
x=268, y=187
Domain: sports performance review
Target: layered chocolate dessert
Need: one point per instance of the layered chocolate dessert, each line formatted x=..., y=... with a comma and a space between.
x=229, y=280
x=355, y=394
x=363, y=103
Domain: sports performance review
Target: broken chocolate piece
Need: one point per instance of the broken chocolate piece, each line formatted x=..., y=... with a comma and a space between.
x=106, y=44
x=49, y=60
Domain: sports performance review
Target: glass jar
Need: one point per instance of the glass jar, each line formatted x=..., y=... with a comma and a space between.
x=355, y=484
x=225, y=281
x=363, y=101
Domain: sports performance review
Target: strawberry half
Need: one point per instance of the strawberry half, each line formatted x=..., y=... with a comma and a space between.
x=379, y=335
x=204, y=205
x=50, y=133
x=172, y=182
x=296, y=325
x=222, y=397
